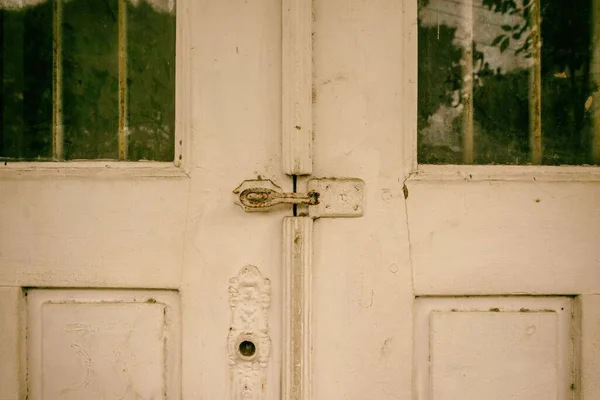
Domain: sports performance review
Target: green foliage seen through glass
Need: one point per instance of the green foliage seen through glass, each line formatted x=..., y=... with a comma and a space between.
x=502, y=55
x=26, y=82
x=90, y=80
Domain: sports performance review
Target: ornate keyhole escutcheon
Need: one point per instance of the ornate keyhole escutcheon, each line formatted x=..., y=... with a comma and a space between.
x=249, y=342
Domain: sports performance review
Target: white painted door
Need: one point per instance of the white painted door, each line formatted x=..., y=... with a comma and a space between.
x=126, y=281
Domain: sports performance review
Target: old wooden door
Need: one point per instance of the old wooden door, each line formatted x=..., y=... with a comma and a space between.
x=125, y=280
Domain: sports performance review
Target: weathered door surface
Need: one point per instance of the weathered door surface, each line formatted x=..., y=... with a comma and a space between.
x=144, y=280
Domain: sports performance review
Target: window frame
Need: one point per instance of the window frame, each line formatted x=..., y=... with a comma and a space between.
x=479, y=172
x=180, y=166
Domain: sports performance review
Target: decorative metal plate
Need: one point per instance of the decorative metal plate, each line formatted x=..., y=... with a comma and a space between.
x=338, y=197
x=248, y=341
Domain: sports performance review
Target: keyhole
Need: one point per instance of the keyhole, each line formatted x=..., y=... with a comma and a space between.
x=247, y=348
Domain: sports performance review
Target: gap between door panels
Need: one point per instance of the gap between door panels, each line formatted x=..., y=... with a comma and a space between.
x=294, y=185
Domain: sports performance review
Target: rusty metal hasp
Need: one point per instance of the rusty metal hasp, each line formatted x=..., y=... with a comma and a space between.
x=325, y=198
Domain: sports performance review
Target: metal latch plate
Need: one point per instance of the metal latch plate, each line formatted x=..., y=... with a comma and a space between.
x=338, y=197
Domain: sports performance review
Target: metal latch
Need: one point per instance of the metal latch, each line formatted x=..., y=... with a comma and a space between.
x=325, y=198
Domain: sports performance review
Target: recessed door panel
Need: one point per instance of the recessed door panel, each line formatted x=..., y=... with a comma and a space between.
x=494, y=348
x=90, y=344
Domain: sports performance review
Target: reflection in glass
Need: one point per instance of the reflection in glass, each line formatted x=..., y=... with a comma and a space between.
x=151, y=77
x=485, y=77
x=26, y=82
x=90, y=76
x=97, y=77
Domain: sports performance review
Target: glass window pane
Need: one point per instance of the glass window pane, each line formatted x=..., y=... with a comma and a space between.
x=87, y=79
x=566, y=81
x=484, y=69
x=151, y=79
x=90, y=77
x=26, y=81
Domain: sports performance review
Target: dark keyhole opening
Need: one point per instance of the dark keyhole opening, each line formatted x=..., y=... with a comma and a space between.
x=247, y=348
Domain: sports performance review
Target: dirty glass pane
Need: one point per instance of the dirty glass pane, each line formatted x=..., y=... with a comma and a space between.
x=113, y=65
x=151, y=78
x=25, y=81
x=90, y=46
x=478, y=77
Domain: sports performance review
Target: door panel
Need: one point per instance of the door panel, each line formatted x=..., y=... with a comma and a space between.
x=489, y=237
x=494, y=347
x=103, y=344
x=92, y=228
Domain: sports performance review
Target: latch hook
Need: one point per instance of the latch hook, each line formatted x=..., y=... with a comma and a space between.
x=326, y=197
x=260, y=195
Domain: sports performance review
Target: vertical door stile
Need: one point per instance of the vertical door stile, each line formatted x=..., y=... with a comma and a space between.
x=12, y=350
x=296, y=87
x=297, y=136
x=297, y=308
x=586, y=346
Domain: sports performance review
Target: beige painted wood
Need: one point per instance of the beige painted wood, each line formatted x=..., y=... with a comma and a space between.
x=297, y=321
x=505, y=173
x=493, y=350
x=588, y=386
x=494, y=347
x=103, y=344
x=236, y=120
x=362, y=291
x=91, y=231
x=12, y=343
x=498, y=236
x=296, y=87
